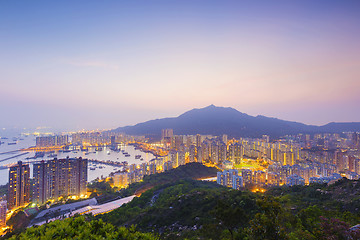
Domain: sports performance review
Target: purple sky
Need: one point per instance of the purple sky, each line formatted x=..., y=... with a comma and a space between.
x=95, y=64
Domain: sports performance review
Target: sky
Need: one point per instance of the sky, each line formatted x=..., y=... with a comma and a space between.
x=104, y=64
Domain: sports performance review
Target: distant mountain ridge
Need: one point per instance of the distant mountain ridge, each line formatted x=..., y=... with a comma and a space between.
x=213, y=120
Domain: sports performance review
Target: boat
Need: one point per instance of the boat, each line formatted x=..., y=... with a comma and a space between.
x=92, y=168
x=101, y=167
x=11, y=143
x=39, y=154
x=141, y=159
x=137, y=156
x=127, y=155
x=87, y=153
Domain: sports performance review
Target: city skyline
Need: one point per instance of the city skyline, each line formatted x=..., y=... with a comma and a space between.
x=105, y=65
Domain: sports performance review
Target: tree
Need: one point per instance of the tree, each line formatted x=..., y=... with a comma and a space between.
x=230, y=216
x=79, y=228
x=267, y=224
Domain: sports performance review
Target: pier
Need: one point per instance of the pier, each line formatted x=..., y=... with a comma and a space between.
x=2, y=160
x=108, y=162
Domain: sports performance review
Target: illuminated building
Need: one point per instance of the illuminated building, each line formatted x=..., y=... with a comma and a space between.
x=189, y=141
x=167, y=133
x=132, y=167
x=237, y=182
x=61, y=140
x=181, y=158
x=192, y=153
x=236, y=153
x=222, y=153
x=47, y=141
x=357, y=165
x=121, y=180
x=152, y=168
x=295, y=180
x=199, y=154
x=198, y=140
x=3, y=206
x=273, y=179
x=214, y=152
x=259, y=178
x=179, y=141
x=19, y=185
x=221, y=178
x=247, y=176
x=50, y=141
x=224, y=138
x=177, y=158
x=168, y=165
x=59, y=178
x=328, y=179
x=265, y=138
x=174, y=158
x=230, y=178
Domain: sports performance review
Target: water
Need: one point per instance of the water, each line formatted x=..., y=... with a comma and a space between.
x=28, y=141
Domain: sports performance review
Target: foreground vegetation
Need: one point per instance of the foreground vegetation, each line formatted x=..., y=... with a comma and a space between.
x=81, y=228
x=201, y=210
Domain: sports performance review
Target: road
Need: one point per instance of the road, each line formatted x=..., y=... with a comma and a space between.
x=94, y=209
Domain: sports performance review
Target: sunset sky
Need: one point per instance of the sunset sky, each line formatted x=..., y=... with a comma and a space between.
x=104, y=64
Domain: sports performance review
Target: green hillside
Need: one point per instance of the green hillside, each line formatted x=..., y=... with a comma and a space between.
x=188, y=171
x=202, y=210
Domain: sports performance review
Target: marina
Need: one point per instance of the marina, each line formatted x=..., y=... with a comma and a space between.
x=106, y=160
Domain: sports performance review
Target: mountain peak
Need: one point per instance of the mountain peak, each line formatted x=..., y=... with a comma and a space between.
x=216, y=120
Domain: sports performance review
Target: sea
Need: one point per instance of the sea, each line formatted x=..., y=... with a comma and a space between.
x=10, y=154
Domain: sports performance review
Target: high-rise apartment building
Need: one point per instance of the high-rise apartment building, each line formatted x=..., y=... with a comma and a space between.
x=51, y=141
x=121, y=179
x=19, y=185
x=59, y=178
x=167, y=133
x=198, y=140
x=230, y=178
x=237, y=182
x=45, y=141
x=3, y=206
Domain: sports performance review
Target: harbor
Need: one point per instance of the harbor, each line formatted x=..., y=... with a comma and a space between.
x=103, y=160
